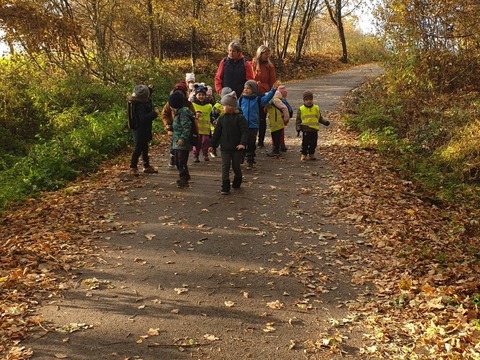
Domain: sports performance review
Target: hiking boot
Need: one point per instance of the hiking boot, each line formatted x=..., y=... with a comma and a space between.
x=312, y=157
x=134, y=172
x=150, y=170
x=273, y=154
x=284, y=149
x=237, y=182
x=182, y=183
x=303, y=157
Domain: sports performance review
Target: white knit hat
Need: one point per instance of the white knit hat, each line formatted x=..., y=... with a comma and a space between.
x=189, y=77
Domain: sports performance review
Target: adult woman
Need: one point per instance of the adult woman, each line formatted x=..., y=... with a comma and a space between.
x=265, y=76
x=233, y=70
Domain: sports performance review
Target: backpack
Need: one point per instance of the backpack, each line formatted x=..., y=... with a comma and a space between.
x=132, y=122
x=194, y=137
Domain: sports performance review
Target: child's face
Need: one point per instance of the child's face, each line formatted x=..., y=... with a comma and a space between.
x=201, y=96
x=308, y=101
x=247, y=91
x=191, y=84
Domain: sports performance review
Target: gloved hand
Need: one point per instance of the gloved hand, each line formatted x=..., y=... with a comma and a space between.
x=298, y=133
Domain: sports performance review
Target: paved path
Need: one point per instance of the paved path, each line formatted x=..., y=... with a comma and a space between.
x=194, y=274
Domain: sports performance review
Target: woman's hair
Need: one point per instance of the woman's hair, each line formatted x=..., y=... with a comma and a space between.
x=256, y=60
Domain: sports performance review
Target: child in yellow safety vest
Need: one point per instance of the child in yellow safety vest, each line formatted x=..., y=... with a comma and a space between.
x=277, y=118
x=203, y=113
x=308, y=118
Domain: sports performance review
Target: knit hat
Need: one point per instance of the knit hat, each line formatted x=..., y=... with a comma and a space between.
x=189, y=77
x=229, y=99
x=283, y=90
x=176, y=100
x=226, y=90
x=307, y=95
x=199, y=88
x=181, y=86
x=141, y=92
x=252, y=84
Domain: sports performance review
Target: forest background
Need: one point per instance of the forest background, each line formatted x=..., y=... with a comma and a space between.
x=71, y=64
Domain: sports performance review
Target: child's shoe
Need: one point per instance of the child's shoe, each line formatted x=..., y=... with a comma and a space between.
x=225, y=187
x=182, y=183
x=303, y=157
x=312, y=157
x=237, y=182
x=273, y=154
x=150, y=170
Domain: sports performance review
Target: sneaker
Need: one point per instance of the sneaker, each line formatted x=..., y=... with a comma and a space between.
x=196, y=159
x=249, y=166
x=212, y=154
x=150, y=170
x=171, y=163
x=312, y=157
x=303, y=157
x=273, y=154
x=134, y=172
x=225, y=192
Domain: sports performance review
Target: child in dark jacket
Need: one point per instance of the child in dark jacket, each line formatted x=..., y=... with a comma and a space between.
x=231, y=133
x=308, y=118
x=250, y=105
x=182, y=124
x=144, y=114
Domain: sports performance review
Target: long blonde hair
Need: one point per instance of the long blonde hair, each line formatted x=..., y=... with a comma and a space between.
x=256, y=60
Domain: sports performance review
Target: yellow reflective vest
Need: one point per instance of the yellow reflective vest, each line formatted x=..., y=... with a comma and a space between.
x=204, y=119
x=275, y=118
x=310, y=116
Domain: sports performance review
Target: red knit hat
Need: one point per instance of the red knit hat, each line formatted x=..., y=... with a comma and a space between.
x=181, y=86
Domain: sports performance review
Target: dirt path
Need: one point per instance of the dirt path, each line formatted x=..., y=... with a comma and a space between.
x=194, y=274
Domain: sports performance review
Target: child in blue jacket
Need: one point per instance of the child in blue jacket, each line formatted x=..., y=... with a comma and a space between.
x=250, y=104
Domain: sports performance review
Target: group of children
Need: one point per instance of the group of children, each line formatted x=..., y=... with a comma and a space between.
x=232, y=123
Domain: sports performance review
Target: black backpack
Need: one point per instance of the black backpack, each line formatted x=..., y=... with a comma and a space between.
x=193, y=132
x=132, y=122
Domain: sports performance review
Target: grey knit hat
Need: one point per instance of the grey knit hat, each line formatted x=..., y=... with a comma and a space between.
x=141, y=92
x=229, y=99
x=225, y=91
x=252, y=84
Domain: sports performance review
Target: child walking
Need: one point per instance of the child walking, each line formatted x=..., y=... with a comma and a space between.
x=144, y=113
x=277, y=118
x=231, y=133
x=308, y=118
x=182, y=124
x=203, y=112
x=250, y=104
